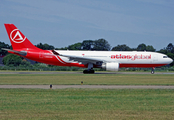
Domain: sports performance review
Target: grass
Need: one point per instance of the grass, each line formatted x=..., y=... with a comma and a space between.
x=86, y=104
x=90, y=79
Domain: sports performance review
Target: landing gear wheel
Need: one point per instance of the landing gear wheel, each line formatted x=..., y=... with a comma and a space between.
x=92, y=71
x=85, y=71
x=152, y=72
x=88, y=71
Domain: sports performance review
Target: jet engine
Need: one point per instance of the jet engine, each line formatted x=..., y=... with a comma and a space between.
x=111, y=66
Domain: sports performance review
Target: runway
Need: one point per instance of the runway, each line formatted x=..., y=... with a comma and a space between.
x=77, y=72
x=87, y=86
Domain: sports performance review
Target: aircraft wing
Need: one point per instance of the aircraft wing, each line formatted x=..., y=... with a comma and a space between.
x=81, y=59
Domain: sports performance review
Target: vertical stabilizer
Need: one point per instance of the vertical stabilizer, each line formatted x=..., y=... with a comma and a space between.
x=17, y=39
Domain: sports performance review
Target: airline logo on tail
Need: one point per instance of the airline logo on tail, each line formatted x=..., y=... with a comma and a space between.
x=16, y=36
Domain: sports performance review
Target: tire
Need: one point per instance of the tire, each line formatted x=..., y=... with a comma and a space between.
x=88, y=71
x=152, y=72
x=85, y=71
x=92, y=71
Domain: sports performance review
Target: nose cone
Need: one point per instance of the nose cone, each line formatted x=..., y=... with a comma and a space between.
x=170, y=60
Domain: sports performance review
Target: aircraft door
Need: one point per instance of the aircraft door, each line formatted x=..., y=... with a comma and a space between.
x=155, y=58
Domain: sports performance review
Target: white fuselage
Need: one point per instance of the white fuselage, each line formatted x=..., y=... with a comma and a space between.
x=121, y=57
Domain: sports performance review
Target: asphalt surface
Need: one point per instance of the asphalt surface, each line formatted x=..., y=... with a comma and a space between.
x=78, y=72
x=87, y=86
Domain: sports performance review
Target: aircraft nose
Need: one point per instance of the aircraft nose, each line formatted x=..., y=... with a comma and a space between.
x=170, y=60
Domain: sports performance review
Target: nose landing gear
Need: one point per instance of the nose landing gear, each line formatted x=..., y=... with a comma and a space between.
x=152, y=72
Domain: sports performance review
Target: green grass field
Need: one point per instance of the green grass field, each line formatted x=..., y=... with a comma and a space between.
x=90, y=79
x=86, y=104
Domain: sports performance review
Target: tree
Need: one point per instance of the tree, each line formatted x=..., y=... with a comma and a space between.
x=12, y=59
x=3, y=45
x=76, y=46
x=65, y=48
x=121, y=48
x=87, y=44
x=101, y=44
x=164, y=51
x=141, y=47
x=45, y=46
x=150, y=48
x=25, y=64
x=170, y=47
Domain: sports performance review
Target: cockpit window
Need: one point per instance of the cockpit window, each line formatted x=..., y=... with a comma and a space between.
x=165, y=57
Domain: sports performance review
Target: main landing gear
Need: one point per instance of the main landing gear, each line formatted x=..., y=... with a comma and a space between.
x=89, y=70
x=152, y=72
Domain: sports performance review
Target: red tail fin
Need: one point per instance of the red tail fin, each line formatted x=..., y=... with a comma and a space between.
x=17, y=39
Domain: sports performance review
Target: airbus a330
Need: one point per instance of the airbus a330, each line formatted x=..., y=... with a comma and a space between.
x=109, y=60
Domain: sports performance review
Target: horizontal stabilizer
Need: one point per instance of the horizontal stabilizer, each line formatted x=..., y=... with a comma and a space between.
x=23, y=53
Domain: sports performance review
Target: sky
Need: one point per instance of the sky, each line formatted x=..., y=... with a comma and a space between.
x=65, y=22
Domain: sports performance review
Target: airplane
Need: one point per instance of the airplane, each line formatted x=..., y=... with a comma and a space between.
x=109, y=60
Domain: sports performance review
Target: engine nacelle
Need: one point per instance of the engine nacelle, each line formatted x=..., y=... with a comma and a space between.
x=111, y=66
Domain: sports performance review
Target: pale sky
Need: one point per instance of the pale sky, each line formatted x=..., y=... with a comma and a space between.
x=64, y=22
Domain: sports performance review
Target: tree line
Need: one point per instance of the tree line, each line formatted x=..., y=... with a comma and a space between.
x=99, y=45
